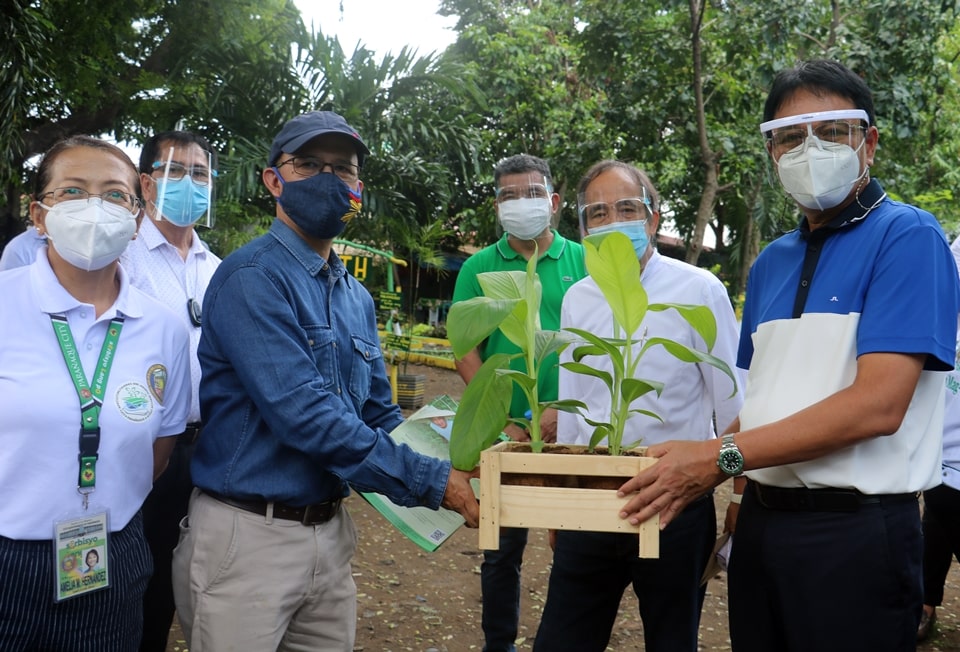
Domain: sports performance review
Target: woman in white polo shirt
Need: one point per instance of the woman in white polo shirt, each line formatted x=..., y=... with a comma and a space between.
x=94, y=382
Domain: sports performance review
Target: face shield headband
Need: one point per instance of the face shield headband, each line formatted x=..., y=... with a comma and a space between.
x=817, y=116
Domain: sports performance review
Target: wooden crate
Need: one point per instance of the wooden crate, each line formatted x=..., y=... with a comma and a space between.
x=558, y=508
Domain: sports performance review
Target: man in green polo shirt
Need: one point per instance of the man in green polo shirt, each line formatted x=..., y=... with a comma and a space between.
x=526, y=204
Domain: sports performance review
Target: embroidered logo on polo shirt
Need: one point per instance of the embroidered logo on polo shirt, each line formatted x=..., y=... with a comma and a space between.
x=134, y=402
x=157, y=381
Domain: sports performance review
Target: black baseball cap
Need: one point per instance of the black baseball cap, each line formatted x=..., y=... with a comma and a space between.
x=297, y=131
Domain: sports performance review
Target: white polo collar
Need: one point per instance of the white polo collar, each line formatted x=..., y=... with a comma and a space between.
x=54, y=298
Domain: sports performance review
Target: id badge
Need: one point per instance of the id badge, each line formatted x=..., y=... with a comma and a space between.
x=80, y=555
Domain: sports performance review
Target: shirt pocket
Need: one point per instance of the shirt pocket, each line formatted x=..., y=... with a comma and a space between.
x=323, y=347
x=365, y=356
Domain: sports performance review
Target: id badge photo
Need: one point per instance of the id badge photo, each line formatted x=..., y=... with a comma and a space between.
x=81, y=555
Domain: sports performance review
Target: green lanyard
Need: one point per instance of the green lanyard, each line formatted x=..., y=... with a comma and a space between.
x=90, y=401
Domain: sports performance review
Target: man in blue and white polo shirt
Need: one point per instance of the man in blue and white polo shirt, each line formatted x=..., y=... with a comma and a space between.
x=849, y=322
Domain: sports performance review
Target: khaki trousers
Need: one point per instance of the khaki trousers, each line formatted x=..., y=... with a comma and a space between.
x=248, y=583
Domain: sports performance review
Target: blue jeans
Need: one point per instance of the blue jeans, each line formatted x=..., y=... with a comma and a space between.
x=500, y=585
x=591, y=570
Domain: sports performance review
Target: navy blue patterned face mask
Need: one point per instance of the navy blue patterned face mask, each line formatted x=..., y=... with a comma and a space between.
x=321, y=205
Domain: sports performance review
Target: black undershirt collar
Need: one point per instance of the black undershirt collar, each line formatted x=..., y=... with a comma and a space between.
x=852, y=215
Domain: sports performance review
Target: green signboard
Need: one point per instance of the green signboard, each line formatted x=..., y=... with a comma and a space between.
x=389, y=300
x=397, y=342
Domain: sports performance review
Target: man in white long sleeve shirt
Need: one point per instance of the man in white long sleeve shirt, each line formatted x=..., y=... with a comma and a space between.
x=591, y=570
x=169, y=262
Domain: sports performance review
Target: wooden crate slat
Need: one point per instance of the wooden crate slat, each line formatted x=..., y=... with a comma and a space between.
x=489, y=501
x=554, y=464
x=562, y=508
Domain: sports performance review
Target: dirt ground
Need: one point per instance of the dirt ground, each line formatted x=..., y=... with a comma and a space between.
x=412, y=600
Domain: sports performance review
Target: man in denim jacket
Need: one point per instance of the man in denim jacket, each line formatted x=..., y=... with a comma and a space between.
x=296, y=406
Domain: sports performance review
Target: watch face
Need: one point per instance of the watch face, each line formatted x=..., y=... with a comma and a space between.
x=731, y=462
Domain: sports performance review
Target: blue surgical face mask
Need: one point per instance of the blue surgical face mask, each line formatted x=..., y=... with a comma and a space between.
x=321, y=205
x=183, y=201
x=636, y=230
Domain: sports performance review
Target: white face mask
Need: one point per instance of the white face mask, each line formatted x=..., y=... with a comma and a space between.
x=526, y=218
x=820, y=174
x=89, y=234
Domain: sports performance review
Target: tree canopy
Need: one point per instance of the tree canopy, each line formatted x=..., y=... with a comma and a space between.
x=128, y=69
x=676, y=87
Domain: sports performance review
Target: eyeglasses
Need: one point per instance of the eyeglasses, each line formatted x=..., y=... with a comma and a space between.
x=529, y=191
x=118, y=197
x=311, y=166
x=835, y=126
x=201, y=175
x=622, y=210
x=831, y=131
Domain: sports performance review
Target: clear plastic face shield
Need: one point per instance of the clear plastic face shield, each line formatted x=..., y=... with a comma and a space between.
x=819, y=129
x=525, y=210
x=818, y=155
x=525, y=191
x=597, y=211
x=185, y=189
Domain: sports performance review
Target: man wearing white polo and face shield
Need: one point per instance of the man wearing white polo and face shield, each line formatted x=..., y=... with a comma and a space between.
x=168, y=261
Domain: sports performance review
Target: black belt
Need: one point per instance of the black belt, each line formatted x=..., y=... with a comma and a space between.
x=310, y=515
x=801, y=499
x=190, y=434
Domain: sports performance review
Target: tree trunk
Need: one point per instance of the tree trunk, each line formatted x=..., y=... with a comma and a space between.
x=705, y=210
x=708, y=157
x=750, y=239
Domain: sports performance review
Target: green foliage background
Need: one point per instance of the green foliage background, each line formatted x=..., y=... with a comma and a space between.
x=676, y=87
